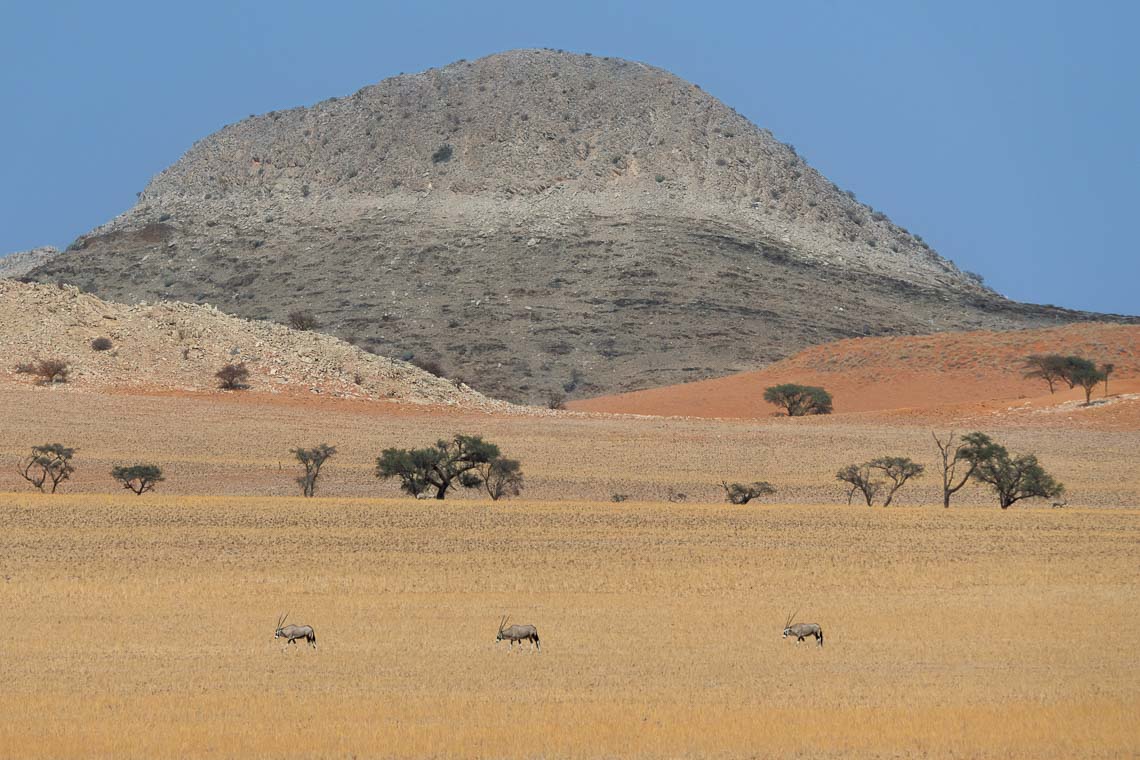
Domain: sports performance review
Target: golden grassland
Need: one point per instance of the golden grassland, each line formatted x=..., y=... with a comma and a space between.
x=142, y=627
x=239, y=444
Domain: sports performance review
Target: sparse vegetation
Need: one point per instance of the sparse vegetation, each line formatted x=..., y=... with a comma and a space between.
x=233, y=377
x=1088, y=377
x=48, y=371
x=799, y=400
x=49, y=463
x=968, y=452
x=102, y=344
x=442, y=154
x=501, y=477
x=431, y=366
x=1072, y=370
x=303, y=319
x=438, y=467
x=1014, y=478
x=1047, y=367
x=739, y=493
x=860, y=477
x=138, y=478
x=898, y=470
x=312, y=460
x=556, y=400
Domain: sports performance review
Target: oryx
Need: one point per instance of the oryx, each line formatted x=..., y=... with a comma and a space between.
x=802, y=630
x=293, y=632
x=518, y=633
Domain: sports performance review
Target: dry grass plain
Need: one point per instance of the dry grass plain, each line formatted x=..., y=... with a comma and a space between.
x=142, y=627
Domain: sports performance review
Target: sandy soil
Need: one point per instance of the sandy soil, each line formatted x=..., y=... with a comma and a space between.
x=914, y=372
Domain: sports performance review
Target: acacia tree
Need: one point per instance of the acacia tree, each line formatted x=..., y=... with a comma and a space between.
x=899, y=470
x=312, y=460
x=966, y=452
x=1016, y=478
x=799, y=400
x=1074, y=367
x=739, y=493
x=438, y=466
x=1048, y=367
x=501, y=477
x=139, y=477
x=48, y=463
x=1088, y=377
x=858, y=476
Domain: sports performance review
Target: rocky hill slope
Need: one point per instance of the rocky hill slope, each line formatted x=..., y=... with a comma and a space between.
x=177, y=346
x=535, y=221
x=19, y=264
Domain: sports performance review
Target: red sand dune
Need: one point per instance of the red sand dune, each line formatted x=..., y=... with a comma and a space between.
x=910, y=372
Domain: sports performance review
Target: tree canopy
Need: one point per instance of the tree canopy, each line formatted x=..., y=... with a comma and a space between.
x=139, y=477
x=439, y=466
x=799, y=400
x=1014, y=478
x=48, y=463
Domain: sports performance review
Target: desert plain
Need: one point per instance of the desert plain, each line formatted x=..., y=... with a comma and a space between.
x=143, y=626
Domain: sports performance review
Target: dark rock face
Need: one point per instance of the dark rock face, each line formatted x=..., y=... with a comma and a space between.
x=535, y=221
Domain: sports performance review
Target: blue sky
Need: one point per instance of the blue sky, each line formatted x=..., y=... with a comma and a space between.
x=1006, y=134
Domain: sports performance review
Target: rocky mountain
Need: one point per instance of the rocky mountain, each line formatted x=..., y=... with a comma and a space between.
x=19, y=264
x=535, y=221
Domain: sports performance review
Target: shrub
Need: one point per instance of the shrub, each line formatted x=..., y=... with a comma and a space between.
x=138, y=478
x=442, y=154
x=555, y=400
x=48, y=463
x=799, y=400
x=302, y=319
x=232, y=377
x=739, y=493
x=102, y=344
x=312, y=460
x=431, y=366
x=617, y=498
x=51, y=371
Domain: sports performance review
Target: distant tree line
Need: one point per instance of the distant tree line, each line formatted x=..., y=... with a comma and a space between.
x=1072, y=370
